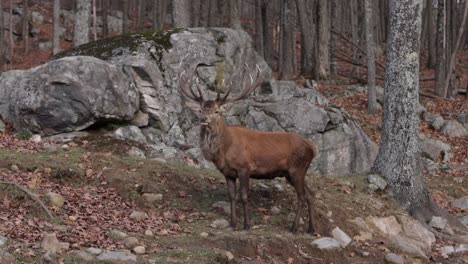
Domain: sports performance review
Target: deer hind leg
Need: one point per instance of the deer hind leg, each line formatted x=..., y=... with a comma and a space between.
x=309, y=195
x=231, y=186
x=244, y=188
x=296, y=178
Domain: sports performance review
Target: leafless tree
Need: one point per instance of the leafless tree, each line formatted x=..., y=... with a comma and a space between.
x=181, y=16
x=81, y=30
x=440, y=49
x=372, y=105
x=56, y=41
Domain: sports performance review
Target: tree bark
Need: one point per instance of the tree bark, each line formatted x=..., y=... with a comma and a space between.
x=10, y=34
x=431, y=40
x=333, y=27
x=81, y=30
x=234, y=19
x=398, y=157
x=268, y=44
x=56, y=42
x=324, y=40
x=307, y=41
x=2, y=37
x=440, y=50
x=94, y=21
x=372, y=105
x=196, y=13
x=125, y=11
x=287, y=49
x=259, y=28
x=354, y=33
x=104, y=12
x=457, y=44
x=181, y=17
x=25, y=24
x=140, y=14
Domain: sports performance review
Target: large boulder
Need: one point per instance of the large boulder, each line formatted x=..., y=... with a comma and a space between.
x=66, y=95
x=151, y=61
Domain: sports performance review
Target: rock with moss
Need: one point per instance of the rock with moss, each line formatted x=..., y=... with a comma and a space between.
x=66, y=95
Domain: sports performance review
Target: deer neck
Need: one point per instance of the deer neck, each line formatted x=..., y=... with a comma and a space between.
x=212, y=140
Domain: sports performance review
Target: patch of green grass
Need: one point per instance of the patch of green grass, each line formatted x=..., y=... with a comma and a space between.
x=24, y=135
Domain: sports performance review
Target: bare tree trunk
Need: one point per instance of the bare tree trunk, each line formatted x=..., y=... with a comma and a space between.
x=25, y=23
x=333, y=27
x=307, y=40
x=125, y=9
x=259, y=28
x=431, y=40
x=140, y=14
x=94, y=21
x=81, y=30
x=56, y=43
x=354, y=33
x=440, y=50
x=196, y=13
x=268, y=44
x=372, y=105
x=234, y=20
x=2, y=37
x=454, y=53
x=398, y=157
x=287, y=54
x=181, y=13
x=324, y=39
x=10, y=33
x=105, y=21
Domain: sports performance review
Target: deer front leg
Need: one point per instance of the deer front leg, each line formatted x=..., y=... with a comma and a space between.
x=244, y=187
x=231, y=186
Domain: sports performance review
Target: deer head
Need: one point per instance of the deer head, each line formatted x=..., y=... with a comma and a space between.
x=211, y=111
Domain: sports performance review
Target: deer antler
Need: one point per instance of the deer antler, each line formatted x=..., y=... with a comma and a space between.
x=254, y=83
x=185, y=83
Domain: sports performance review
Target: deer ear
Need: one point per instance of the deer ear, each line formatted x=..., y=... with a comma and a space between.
x=194, y=106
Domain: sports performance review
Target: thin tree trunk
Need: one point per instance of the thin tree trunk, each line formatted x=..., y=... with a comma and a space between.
x=431, y=40
x=125, y=9
x=372, y=105
x=324, y=40
x=94, y=21
x=2, y=37
x=259, y=28
x=81, y=30
x=354, y=33
x=307, y=40
x=56, y=42
x=25, y=31
x=140, y=8
x=440, y=50
x=212, y=13
x=268, y=44
x=234, y=20
x=457, y=44
x=181, y=13
x=287, y=54
x=105, y=21
x=333, y=22
x=196, y=14
x=10, y=33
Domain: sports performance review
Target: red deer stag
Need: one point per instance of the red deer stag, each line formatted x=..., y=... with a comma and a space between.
x=242, y=153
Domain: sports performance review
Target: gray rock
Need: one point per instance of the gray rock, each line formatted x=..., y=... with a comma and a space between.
x=461, y=248
x=51, y=244
x=130, y=133
x=394, y=258
x=3, y=241
x=83, y=256
x=445, y=251
x=461, y=202
x=223, y=206
x=275, y=210
x=377, y=180
x=138, y=216
x=66, y=95
x=36, y=138
x=140, y=250
x=67, y=137
x=386, y=225
x=416, y=231
x=409, y=246
x=117, y=257
x=463, y=119
x=220, y=224
x=152, y=197
x=438, y=222
x=55, y=199
x=452, y=128
x=140, y=120
x=229, y=255
x=434, y=149
x=94, y=251
x=326, y=243
x=341, y=237
x=37, y=18
x=435, y=121
x=117, y=234
x=2, y=126
x=464, y=220
x=130, y=242
x=136, y=153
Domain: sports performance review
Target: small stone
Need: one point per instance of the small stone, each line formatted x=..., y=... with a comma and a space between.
x=140, y=120
x=83, y=256
x=149, y=233
x=65, y=147
x=117, y=257
x=341, y=237
x=453, y=128
x=138, y=216
x=464, y=220
x=326, y=243
x=394, y=258
x=386, y=225
x=130, y=242
x=275, y=210
x=279, y=187
x=50, y=147
x=204, y=234
x=72, y=218
x=446, y=251
x=51, y=244
x=438, y=222
x=48, y=256
x=3, y=241
x=461, y=248
x=365, y=254
x=14, y=168
x=220, y=224
x=36, y=138
x=140, y=250
x=461, y=203
x=152, y=197
x=136, y=153
x=2, y=126
x=55, y=199
x=229, y=255
x=377, y=180
x=117, y=234
x=94, y=251
x=223, y=206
